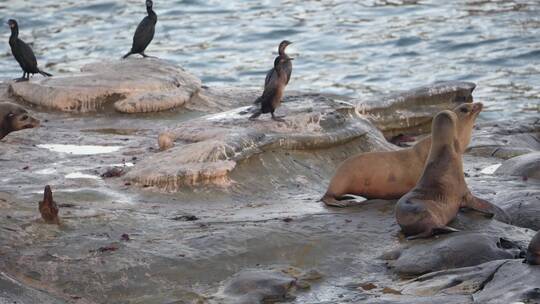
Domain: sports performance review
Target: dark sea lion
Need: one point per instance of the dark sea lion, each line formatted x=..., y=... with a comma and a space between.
x=389, y=175
x=533, y=252
x=441, y=191
x=14, y=118
x=48, y=207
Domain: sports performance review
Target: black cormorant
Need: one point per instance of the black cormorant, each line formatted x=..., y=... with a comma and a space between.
x=23, y=53
x=145, y=32
x=288, y=66
x=274, y=89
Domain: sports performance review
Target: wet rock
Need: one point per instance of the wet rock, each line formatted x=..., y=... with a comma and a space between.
x=210, y=147
x=407, y=111
x=506, y=139
x=11, y=291
x=533, y=251
x=523, y=207
x=503, y=281
x=133, y=86
x=48, y=207
x=452, y=299
x=467, y=280
x=206, y=150
x=452, y=251
x=527, y=165
x=258, y=286
x=113, y=172
x=513, y=282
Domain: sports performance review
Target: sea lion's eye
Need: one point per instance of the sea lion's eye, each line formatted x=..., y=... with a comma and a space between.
x=464, y=110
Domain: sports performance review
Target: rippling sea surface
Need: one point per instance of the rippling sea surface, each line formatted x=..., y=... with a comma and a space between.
x=355, y=48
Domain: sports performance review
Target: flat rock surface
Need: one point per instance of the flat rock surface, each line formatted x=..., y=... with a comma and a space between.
x=506, y=139
x=455, y=250
x=208, y=149
x=523, y=207
x=120, y=243
x=131, y=86
x=526, y=166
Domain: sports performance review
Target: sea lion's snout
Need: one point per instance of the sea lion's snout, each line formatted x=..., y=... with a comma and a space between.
x=26, y=121
x=477, y=107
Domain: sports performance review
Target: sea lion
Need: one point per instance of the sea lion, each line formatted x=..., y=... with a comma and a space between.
x=14, y=118
x=48, y=207
x=533, y=252
x=389, y=175
x=441, y=190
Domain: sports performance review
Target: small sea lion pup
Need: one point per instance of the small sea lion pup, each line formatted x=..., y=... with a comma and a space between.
x=389, y=175
x=533, y=252
x=14, y=118
x=441, y=191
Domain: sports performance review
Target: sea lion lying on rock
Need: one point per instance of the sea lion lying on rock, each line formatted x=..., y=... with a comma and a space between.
x=441, y=191
x=389, y=175
x=14, y=118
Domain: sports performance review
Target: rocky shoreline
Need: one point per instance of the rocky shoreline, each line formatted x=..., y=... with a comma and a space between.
x=220, y=209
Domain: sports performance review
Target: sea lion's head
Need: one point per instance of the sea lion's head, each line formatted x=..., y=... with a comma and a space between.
x=12, y=23
x=444, y=128
x=15, y=119
x=149, y=3
x=466, y=117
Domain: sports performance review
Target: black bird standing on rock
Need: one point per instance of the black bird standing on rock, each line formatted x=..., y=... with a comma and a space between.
x=23, y=53
x=274, y=88
x=144, y=32
x=288, y=66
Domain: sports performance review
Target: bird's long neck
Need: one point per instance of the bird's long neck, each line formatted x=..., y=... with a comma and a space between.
x=151, y=13
x=281, y=52
x=14, y=34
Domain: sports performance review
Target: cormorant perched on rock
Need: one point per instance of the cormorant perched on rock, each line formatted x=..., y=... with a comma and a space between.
x=145, y=32
x=23, y=53
x=274, y=89
x=288, y=66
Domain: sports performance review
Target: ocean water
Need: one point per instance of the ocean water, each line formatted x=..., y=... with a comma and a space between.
x=355, y=48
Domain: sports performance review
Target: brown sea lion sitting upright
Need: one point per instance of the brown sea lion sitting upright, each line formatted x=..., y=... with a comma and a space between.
x=441, y=191
x=14, y=118
x=533, y=252
x=389, y=175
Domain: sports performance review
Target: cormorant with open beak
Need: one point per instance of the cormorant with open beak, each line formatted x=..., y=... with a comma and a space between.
x=274, y=89
x=23, y=53
x=144, y=32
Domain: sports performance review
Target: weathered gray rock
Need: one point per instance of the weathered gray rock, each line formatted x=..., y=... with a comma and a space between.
x=210, y=147
x=527, y=165
x=12, y=291
x=133, y=86
x=205, y=150
x=258, y=286
x=409, y=110
x=523, y=207
x=503, y=281
x=452, y=251
x=513, y=282
x=506, y=139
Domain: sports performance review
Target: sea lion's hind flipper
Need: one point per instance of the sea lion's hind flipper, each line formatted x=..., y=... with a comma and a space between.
x=481, y=205
x=422, y=235
x=444, y=230
x=432, y=232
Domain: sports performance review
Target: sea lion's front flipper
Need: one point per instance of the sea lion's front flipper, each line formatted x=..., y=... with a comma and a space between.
x=331, y=201
x=481, y=205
